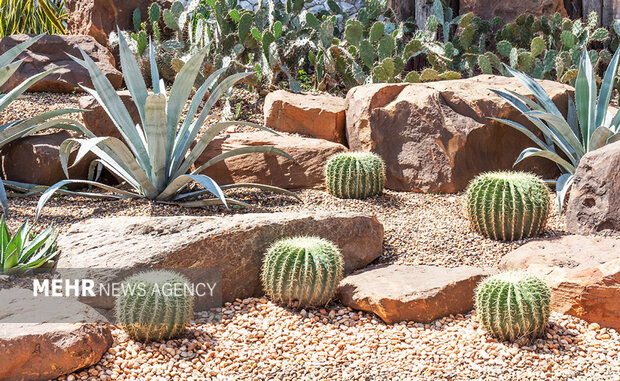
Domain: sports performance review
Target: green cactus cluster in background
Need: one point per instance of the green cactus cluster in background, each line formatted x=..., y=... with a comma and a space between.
x=508, y=205
x=303, y=271
x=355, y=175
x=513, y=305
x=155, y=305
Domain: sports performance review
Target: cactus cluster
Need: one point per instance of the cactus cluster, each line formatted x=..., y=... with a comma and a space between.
x=355, y=174
x=508, y=205
x=302, y=271
x=513, y=305
x=155, y=305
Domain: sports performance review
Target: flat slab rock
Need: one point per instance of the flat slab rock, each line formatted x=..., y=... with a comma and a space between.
x=234, y=244
x=70, y=338
x=412, y=293
x=583, y=273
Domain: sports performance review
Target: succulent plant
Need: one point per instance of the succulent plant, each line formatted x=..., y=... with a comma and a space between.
x=155, y=305
x=306, y=270
x=513, y=305
x=355, y=174
x=508, y=205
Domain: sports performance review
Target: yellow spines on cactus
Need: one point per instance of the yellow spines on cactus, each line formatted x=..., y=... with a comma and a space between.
x=355, y=174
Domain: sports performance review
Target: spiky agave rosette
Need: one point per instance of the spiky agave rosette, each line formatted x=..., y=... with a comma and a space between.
x=306, y=270
x=155, y=305
x=508, y=205
x=513, y=305
x=355, y=174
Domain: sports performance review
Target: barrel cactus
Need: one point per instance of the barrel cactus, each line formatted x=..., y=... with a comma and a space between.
x=155, y=305
x=513, y=305
x=355, y=174
x=508, y=205
x=306, y=270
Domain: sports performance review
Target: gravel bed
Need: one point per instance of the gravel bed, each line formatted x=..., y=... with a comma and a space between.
x=254, y=339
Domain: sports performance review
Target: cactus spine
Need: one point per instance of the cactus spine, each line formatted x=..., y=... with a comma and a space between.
x=306, y=270
x=155, y=305
x=513, y=305
x=355, y=174
x=508, y=205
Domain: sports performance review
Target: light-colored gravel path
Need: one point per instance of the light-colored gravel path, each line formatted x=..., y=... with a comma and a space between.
x=254, y=339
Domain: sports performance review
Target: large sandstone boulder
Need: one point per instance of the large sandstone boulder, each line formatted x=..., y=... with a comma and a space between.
x=42, y=338
x=316, y=115
x=583, y=272
x=50, y=52
x=235, y=245
x=97, y=120
x=98, y=18
x=594, y=203
x=36, y=160
x=311, y=155
x=411, y=293
x=437, y=136
x=509, y=11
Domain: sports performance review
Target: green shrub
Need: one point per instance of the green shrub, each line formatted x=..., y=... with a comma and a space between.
x=513, y=305
x=355, y=174
x=32, y=17
x=26, y=250
x=508, y=205
x=306, y=270
x=155, y=305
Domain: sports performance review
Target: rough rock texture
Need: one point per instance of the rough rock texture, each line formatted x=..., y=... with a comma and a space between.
x=436, y=136
x=311, y=155
x=509, y=11
x=98, y=18
x=36, y=160
x=594, y=202
x=316, y=115
x=50, y=52
x=411, y=293
x=583, y=272
x=98, y=121
x=234, y=244
x=32, y=349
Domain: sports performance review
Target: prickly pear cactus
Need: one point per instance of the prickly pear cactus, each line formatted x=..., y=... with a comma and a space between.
x=513, y=305
x=147, y=309
x=303, y=270
x=508, y=205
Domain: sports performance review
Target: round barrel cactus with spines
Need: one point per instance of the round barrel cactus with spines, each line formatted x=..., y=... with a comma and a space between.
x=513, y=305
x=508, y=205
x=306, y=270
x=155, y=305
x=355, y=174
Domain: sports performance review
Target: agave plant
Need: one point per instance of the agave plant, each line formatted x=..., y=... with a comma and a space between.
x=156, y=157
x=20, y=128
x=25, y=250
x=588, y=125
x=32, y=16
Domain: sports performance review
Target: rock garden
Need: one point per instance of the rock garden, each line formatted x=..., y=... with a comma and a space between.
x=407, y=190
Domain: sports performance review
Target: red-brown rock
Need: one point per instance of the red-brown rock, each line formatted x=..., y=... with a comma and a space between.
x=311, y=155
x=594, y=203
x=583, y=273
x=42, y=338
x=411, y=293
x=437, y=136
x=36, y=160
x=98, y=18
x=319, y=116
x=50, y=52
x=509, y=11
x=97, y=120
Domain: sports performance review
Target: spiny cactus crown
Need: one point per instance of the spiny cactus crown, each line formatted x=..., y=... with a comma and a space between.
x=306, y=270
x=155, y=305
x=508, y=205
x=355, y=174
x=513, y=305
